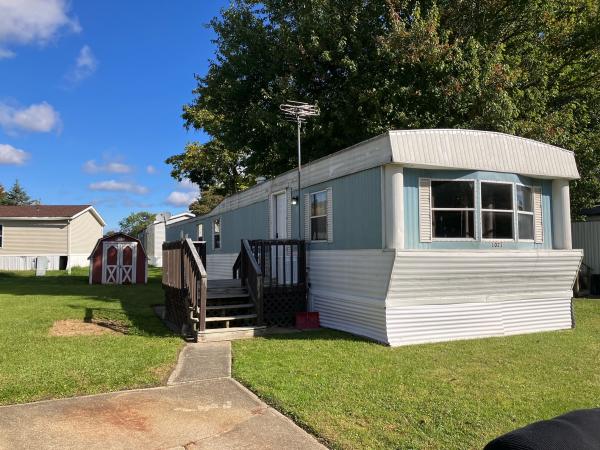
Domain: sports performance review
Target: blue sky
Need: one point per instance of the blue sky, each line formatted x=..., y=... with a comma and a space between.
x=91, y=96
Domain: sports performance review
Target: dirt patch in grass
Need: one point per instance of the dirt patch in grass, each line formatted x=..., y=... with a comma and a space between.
x=80, y=328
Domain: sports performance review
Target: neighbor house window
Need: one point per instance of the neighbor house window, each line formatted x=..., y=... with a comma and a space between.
x=217, y=233
x=453, y=209
x=318, y=216
x=1, y=236
x=200, y=232
x=497, y=210
x=525, y=212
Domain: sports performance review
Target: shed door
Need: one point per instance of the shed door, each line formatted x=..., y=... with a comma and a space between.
x=119, y=261
x=128, y=262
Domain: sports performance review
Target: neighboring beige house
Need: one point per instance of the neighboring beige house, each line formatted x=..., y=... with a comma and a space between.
x=154, y=235
x=65, y=234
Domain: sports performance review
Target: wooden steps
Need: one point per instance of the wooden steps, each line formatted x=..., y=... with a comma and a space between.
x=232, y=306
x=228, y=306
x=230, y=318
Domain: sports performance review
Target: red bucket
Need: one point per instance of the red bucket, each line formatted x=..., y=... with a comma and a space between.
x=307, y=320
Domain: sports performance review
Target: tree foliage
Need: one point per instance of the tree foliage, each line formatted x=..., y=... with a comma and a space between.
x=528, y=67
x=16, y=196
x=208, y=200
x=135, y=223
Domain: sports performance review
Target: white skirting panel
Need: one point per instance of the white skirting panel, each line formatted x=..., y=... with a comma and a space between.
x=348, y=288
x=80, y=260
x=435, y=323
x=26, y=262
x=446, y=295
x=219, y=266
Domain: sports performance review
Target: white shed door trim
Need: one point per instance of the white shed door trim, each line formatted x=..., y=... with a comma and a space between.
x=120, y=272
x=425, y=209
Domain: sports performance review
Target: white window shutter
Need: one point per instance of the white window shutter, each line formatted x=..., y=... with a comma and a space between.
x=425, y=209
x=307, y=217
x=329, y=214
x=538, y=219
x=288, y=198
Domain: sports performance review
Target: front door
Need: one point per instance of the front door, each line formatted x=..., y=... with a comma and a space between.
x=278, y=259
x=280, y=216
x=119, y=262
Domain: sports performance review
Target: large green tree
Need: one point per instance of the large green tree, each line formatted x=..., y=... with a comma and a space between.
x=524, y=67
x=135, y=223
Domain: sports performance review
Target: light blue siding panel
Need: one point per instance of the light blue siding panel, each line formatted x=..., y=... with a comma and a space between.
x=356, y=211
x=411, y=208
x=249, y=222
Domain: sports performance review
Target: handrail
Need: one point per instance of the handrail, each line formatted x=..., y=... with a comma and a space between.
x=237, y=266
x=252, y=277
x=185, y=282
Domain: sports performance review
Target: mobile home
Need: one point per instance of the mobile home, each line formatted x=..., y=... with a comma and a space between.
x=418, y=236
x=63, y=235
x=153, y=236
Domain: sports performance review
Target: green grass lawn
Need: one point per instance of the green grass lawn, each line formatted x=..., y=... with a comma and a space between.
x=34, y=365
x=357, y=394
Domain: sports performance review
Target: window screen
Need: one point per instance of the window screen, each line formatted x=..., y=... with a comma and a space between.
x=452, y=209
x=497, y=211
x=318, y=216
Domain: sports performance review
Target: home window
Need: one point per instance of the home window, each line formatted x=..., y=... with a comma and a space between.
x=318, y=216
x=1, y=236
x=453, y=209
x=200, y=232
x=497, y=215
x=217, y=234
x=525, y=213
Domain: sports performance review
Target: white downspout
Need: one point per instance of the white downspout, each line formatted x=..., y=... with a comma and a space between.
x=69, y=246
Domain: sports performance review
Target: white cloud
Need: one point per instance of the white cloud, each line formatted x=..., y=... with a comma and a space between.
x=40, y=117
x=85, y=65
x=92, y=166
x=178, y=198
x=187, y=195
x=122, y=186
x=150, y=169
x=33, y=22
x=6, y=54
x=12, y=156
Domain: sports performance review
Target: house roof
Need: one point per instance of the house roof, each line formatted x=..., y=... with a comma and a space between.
x=427, y=149
x=47, y=212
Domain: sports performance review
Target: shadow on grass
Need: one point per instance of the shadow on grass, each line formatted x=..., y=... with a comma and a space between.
x=134, y=301
x=320, y=334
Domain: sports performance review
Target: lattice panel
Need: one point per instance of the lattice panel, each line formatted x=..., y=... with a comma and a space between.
x=281, y=305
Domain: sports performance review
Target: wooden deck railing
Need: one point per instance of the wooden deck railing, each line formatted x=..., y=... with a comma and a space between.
x=252, y=277
x=185, y=282
x=275, y=273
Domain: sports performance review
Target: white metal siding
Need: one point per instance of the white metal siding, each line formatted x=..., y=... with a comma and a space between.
x=220, y=265
x=586, y=236
x=444, y=295
x=436, y=323
x=348, y=289
x=482, y=150
x=424, y=277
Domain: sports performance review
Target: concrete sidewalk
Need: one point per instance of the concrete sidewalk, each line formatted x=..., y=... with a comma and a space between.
x=201, y=409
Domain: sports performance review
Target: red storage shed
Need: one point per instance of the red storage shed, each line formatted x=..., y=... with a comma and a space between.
x=118, y=259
